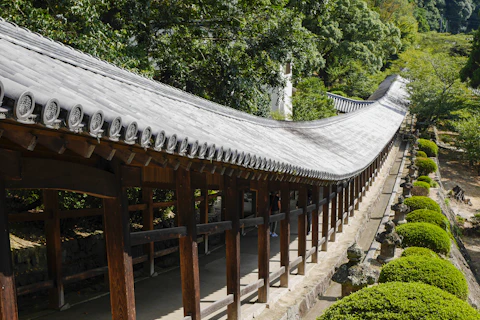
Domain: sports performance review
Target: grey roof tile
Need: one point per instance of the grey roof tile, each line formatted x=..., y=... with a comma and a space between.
x=330, y=149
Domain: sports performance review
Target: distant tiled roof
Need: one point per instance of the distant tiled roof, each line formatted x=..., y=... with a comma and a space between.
x=112, y=104
x=347, y=105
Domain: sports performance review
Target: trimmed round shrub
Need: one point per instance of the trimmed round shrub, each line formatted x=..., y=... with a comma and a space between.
x=429, y=147
x=401, y=301
x=421, y=154
x=419, y=191
x=436, y=272
x=428, y=180
x=425, y=165
x=430, y=216
x=418, y=202
x=422, y=184
x=424, y=234
x=419, y=251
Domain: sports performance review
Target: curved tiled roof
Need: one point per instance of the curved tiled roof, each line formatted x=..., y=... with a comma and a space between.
x=99, y=96
x=347, y=105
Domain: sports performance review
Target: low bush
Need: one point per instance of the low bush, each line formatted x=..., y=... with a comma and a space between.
x=429, y=147
x=429, y=180
x=430, y=216
x=419, y=251
x=401, y=301
x=436, y=272
x=424, y=234
x=425, y=165
x=422, y=184
x=421, y=154
x=416, y=203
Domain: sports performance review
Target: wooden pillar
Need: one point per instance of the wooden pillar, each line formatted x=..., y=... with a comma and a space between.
x=117, y=241
x=364, y=182
x=285, y=234
x=147, y=219
x=302, y=229
x=188, y=245
x=263, y=200
x=204, y=214
x=232, y=213
x=54, y=248
x=341, y=196
x=8, y=295
x=325, y=194
x=352, y=196
x=333, y=214
x=346, y=202
x=358, y=191
x=315, y=212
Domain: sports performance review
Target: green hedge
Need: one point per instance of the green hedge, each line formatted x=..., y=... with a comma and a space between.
x=419, y=202
x=422, y=184
x=436, y=272
x=421, y=154
x=429, y=147
x=428, y=180
x=425, y=165
x=401, y=301
x=430, y=216
x=423, y=234
x=419, y=251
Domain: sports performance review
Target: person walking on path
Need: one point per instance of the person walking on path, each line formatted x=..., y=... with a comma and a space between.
x=275, y=208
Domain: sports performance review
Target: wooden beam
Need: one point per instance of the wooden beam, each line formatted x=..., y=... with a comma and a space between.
x=143, y=237
x=61, y=175
x=352, y=196
x=333, y=215
x=189, y=268
x=23, y=138
x=263, y=204
x=302, y=228
x=8, y=297
x=341, y=197
x=232, y=237
x=358, y=183
x=82, y=148
x=285, y=234
x=204, y=213
x=54, y=248
x=10, y=166
x=54, y=144
x=106, y=151
x=117, y=241
x=315, y=226
x=325, y=226
x=147, y=220
x=346, y=203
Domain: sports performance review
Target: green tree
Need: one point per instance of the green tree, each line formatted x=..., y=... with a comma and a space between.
x=468, y=139
x=352, y=37
x=435, y=88
x=471, y=72
x=457, y=13
x=310, y=101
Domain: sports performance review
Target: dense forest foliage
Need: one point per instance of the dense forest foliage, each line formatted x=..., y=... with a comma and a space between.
x=233, y=52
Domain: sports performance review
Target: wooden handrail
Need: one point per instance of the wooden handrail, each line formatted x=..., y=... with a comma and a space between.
x=296, y=212
x=217, y=305
x=143, y=237
x=214, y=227
x=294, y=264
x=275, y=275
x=252, y=287
x=277, y=217
x=250, y=222
x=34, y=287
x=85, y=275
